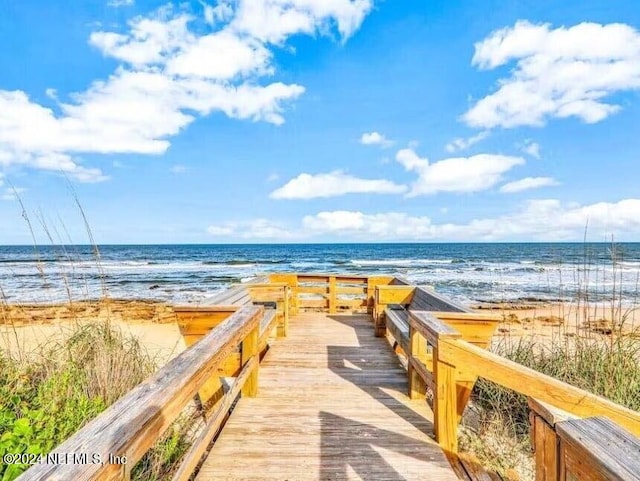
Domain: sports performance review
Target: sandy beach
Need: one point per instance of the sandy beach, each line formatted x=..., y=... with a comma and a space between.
x=24, y=328
x=546, y=321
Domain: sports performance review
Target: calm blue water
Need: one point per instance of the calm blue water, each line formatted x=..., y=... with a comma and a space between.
x=193, y=273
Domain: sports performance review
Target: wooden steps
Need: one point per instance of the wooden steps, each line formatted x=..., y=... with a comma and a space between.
x=331, y=405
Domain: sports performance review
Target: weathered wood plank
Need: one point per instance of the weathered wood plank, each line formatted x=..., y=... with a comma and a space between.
x=545, y=446
x=551, y=415
x=332, y=406
x=429, y=300
x=597, y=448
x=268, y=324
x=398, y=327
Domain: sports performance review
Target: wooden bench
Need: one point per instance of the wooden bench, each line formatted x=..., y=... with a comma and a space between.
x=399, y=298
x=475, y=328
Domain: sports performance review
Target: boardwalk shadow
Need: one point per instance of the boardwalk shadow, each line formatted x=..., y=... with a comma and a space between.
x=347, y=444
x=373, y=367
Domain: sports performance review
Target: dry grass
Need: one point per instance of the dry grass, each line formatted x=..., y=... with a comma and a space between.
x=496, y=425
x=49, y=394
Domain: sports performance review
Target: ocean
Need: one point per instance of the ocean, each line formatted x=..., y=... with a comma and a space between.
x=469, y=273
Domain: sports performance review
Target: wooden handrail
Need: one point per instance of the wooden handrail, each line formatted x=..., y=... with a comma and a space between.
x=431, y=328
x=136, y=421
x=453, y=357
x=532, y=383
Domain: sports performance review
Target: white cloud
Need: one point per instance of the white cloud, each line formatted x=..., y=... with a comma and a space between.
x=457, y=174
x=375, y=138
x=120, y=3
x=273, y=177
x=536, y=219
x=12, y=193
x=462, y=143
x=562, y=72
x=272, y=21
x=150, y=40
x=53, y=162
x=233, y=56
x=178, y=169
x=532, y=148
x=222, y=12
x=333, y=184
x=547, y=219
x=262, y=229
x=171, y=71
x=528, y=183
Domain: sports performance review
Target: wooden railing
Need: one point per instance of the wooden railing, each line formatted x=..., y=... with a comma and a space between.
x=127, y=429
x=565, y=448
x=331, y=293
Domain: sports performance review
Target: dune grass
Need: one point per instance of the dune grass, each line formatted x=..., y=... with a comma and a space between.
x=47, y=395
x=496, y=426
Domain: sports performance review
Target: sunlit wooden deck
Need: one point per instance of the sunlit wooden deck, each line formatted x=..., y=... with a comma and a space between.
x=331, y=405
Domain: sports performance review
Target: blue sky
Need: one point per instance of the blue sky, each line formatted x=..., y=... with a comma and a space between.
x=320, y=121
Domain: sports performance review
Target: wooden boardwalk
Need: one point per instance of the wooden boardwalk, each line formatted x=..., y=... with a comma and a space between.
x=331, y=405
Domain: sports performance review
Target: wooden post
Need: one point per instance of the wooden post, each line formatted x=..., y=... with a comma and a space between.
x=372, y=283
x=292, y=282
x=545, y=446
x=445, y=414
x=249, y=350
x=381, y=325
x=283, y=331
x=544, y=439
x=332, y=294
x=293, y=299
x=418, y=345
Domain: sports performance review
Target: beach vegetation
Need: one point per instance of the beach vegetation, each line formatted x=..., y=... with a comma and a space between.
x=598, y=351
x=47, y=395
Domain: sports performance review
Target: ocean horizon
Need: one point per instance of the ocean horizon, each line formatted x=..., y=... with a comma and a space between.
x=471, y=272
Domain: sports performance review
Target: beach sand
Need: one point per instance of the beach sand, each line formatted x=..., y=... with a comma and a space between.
x=23, y=328
x=545, y=321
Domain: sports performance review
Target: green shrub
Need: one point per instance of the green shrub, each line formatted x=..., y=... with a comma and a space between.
x=46, y=399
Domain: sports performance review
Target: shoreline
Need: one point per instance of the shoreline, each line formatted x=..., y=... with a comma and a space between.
x=26, y=327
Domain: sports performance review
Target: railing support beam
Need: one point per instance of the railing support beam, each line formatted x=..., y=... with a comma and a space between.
x=418, y=345
x=249, y=351
x=445, y=413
